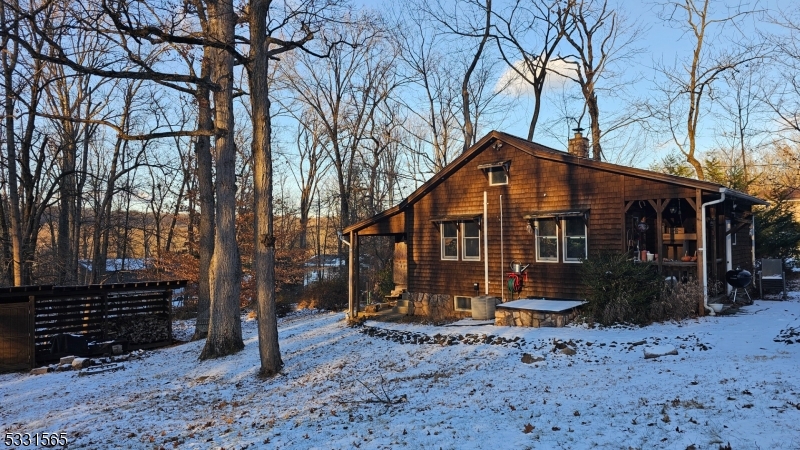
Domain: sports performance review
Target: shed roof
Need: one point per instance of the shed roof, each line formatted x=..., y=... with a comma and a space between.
x=540, y=151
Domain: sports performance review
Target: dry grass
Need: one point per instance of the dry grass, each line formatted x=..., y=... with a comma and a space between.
x=677, y=302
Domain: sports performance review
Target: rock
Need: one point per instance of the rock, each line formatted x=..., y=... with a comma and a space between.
x=67, y=360
x=40, y=370
x=568, y=351
x=659, y=350
x=116, y=349
x=527, y=358
x=81, y=363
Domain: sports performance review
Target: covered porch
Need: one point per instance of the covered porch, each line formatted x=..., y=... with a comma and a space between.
x=390, y=223
x=696, y=235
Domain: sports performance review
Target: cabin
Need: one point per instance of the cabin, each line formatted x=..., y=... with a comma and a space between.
x=511, y=219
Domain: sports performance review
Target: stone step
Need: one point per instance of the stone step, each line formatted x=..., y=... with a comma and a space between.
x=404, y=309
x=405, y=303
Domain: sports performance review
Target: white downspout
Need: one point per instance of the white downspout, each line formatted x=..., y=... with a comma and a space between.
x=703, y=250
x=728, y=252
x=753, y=242
x=502, y=257
x=485, y=244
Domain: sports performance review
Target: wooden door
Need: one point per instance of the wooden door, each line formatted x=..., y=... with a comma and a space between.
x=16, y=337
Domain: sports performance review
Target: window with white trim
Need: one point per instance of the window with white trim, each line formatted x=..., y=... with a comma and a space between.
x=575, y=248
x=462, y=303
x=546, y=240
x=498, y=176
x=449, y=240
x=471, y=240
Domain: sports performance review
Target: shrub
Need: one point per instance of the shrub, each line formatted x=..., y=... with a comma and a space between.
x=777, y=231
x=329, y=294
x=619, y=289
x=286, y=299
x=677, y=302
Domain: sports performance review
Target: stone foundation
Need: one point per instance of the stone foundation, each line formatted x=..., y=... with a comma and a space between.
x=436, y=306
x=526, y=318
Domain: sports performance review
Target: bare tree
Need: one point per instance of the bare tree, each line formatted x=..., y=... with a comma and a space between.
x=345, y=91
x=273, y=31
x=434, y=115
x=470, y=19
x=224, y=325
x=308, y=168
x=74, y=107
x=124, y=159
x=544, y=23
x=598, y=35
x=782, y=94
x=744, y=117
x=29, y=179
x=691, y=82
x=439, y=64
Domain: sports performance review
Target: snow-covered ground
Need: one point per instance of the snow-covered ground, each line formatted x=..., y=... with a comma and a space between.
x=735, y=380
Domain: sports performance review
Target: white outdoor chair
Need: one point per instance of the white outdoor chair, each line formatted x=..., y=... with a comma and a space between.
x=772, y=274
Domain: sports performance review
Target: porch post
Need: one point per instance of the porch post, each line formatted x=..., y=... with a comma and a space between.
x=659, y=205
x=728, y=252
x=660, y=232
x=701, y=256
x=353, y=271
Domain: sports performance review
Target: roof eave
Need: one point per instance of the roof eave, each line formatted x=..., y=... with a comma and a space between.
x=743, y=196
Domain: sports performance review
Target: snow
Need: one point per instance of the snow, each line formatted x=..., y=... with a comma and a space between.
x=542, y=305
x=734, y=380
x=115, y=265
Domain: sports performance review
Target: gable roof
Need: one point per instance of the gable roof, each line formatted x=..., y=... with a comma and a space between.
x=541, y=151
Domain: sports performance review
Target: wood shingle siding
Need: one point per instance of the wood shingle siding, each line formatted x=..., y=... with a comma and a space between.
x=540, y=180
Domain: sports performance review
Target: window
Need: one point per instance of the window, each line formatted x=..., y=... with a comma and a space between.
x=471, y=239
x=449, y=240
x=460, y=237
x=497, y=172
x=462, y=303
x=498, y=176
x=560, y=233
x=574, y=239
x=546, y=240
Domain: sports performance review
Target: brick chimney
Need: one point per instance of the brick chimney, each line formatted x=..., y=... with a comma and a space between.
x=578, y=145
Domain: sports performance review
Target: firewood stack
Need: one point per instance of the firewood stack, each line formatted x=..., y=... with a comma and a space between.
x=140, y=329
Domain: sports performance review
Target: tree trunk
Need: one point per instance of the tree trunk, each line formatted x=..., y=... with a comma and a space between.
x=594, y=116
x=175, y=213
x=469, y=131
x=66, y=216
x=224, y=326
x=15, y=216
x=206, y=198
x=264, y=246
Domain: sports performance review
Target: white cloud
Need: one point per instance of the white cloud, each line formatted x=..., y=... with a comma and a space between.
x=516, y=85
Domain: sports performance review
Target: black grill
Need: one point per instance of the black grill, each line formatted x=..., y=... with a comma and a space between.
x=738, y=278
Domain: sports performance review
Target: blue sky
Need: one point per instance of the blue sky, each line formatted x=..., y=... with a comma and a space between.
x=660, y=42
